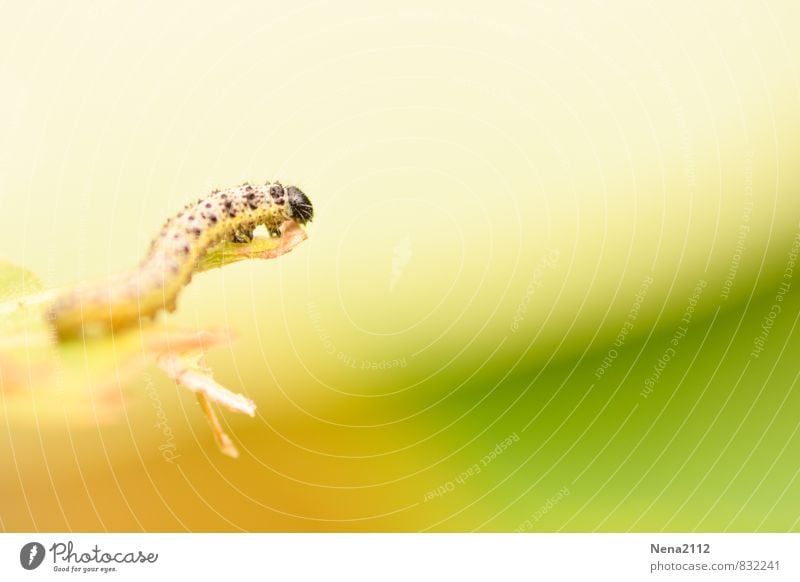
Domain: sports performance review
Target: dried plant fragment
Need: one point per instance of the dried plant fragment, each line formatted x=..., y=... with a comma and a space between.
x=188, y=371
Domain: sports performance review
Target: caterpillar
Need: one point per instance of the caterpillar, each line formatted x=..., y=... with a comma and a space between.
x=231, y=214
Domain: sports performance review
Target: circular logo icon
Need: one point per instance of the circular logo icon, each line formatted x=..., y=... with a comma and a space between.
x=31, y=555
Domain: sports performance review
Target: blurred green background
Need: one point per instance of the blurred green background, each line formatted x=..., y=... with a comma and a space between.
x=536, y=296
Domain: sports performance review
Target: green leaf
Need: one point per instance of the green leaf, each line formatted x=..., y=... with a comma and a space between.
x=227, y=253
x=17, y=282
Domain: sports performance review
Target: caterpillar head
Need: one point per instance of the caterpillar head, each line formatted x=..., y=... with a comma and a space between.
x=294, y=203
x=300, y=208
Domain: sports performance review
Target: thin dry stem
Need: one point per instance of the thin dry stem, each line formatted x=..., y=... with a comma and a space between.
x=223, y=441
x=187, y=370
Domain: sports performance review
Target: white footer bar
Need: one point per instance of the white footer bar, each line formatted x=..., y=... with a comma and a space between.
x=389, y=557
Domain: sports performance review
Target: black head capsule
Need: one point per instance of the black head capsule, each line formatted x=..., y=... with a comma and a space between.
x=299, y=205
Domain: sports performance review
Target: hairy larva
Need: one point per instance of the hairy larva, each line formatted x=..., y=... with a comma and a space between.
x=230, y=214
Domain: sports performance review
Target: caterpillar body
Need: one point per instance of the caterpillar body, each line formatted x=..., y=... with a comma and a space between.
x=184, y=239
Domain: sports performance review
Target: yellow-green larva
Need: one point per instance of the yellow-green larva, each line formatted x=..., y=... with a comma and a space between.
x=230, y=214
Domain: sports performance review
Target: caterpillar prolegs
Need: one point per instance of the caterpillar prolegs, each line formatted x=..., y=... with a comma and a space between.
x=231, y=214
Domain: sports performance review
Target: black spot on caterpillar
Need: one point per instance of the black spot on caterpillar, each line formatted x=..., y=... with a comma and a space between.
x=154, y=285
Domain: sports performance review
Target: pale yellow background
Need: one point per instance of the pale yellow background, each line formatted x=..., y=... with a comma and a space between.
x=461, y=140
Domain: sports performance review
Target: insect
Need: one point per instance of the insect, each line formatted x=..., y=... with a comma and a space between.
x=154, y=285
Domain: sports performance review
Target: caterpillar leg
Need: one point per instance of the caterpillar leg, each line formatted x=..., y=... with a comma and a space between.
x=242, y=235
x=273, y=228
